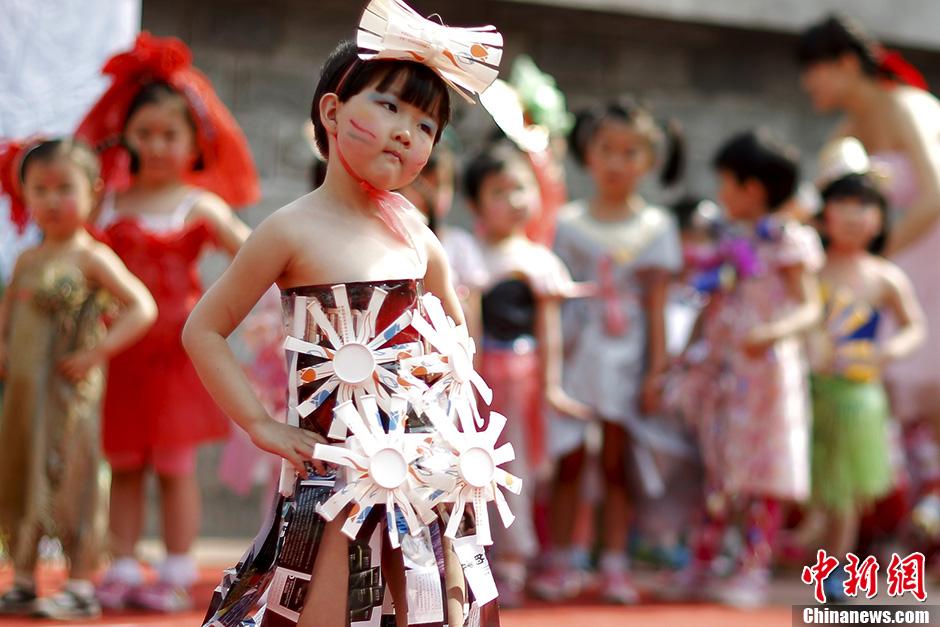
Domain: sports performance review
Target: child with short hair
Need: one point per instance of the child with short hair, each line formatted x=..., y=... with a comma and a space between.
x=752, y=404
x=53, y=350
x=522, y=353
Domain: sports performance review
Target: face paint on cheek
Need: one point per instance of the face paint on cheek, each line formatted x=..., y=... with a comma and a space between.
x=363, y=134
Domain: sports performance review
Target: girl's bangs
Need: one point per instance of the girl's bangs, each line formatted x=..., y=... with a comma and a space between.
x=419, y=86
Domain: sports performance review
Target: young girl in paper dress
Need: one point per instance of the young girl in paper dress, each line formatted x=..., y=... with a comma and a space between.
x=751, y=399
x=173, y=159
x=615, y=345
x=851, y=466
x=352, y=260
x=53, y=349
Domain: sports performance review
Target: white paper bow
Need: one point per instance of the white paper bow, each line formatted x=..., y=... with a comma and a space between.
x=466, y=58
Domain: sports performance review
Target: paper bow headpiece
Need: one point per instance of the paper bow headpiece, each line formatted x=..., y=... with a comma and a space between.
x=844, y=156
x=467, y=59
x=841, y=157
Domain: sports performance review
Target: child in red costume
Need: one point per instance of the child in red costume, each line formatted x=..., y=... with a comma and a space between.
x=173, y=160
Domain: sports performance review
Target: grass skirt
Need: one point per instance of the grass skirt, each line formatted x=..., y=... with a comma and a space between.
x=850, y=449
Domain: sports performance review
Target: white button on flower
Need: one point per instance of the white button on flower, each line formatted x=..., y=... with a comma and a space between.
x=354, y=363
x=479, y=475
x=377, y=468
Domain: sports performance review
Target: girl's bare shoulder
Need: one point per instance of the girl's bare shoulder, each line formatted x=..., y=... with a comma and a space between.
x=295, y=215
x=888, y=272
x=914, y=106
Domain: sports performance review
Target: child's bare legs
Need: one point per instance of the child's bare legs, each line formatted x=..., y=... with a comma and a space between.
x=558, y=582
x=613, y=562
x=21, y=597
x=125, y=525
x=616, y=499
x=565, y=498
x=842, y=531
x=182, y=512
x=127, y=511
x=327, y=597
x=393, y=565
x=811, y=528
x=841, y=537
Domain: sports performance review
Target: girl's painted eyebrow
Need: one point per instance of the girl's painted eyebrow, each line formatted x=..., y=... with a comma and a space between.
x=381, y=95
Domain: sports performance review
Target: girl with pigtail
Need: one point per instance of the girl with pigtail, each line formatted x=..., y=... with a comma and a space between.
x=615, y=342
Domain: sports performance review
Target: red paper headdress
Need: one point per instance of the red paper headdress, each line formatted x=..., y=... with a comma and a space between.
x=11, y=160
x=891, y=62
x=228, y=169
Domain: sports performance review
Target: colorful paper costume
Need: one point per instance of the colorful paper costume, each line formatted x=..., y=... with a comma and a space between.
x=380, y=370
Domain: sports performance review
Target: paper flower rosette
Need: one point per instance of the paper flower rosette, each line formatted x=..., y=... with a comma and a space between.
x=412, y=473
x=355, y=365
x=378, y=468
x=478, y=475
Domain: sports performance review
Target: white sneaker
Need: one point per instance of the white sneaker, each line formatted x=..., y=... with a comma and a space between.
x=618, y=588
x=557, y=584
x=746, y=589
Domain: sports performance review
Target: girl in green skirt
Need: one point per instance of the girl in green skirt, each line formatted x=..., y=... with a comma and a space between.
x=850, y=449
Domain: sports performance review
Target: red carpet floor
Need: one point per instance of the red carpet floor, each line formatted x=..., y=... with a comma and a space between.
x=535, y=615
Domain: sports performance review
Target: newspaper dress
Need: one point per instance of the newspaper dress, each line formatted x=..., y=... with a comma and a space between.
x=381, y=371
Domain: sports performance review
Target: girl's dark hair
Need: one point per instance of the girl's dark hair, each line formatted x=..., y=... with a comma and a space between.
x=864, y=189
x=684, y=209
x=158, y=93
x=67, y=148
x=317, y=173
x=759, y=155
x=835, y=36
x=345, y=75
x=638, y=116
x=493, y=160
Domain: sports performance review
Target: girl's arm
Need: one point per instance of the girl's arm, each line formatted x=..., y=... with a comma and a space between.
x=437, y=277
x=804, y=288
x=230, y=232
x=657, y=283
x=6, y=306
x=138, y=313
x=548, y=338
x=259, y=263
x=918, y=131
x=472, y=307
x=907, y=312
